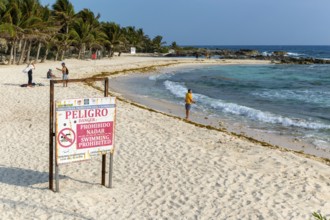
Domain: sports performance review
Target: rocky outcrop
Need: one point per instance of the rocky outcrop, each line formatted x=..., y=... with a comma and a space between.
x=278, y=57
x=280, y=53
x=243, y=52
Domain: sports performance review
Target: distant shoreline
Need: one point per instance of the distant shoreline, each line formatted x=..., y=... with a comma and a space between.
x=301, y=55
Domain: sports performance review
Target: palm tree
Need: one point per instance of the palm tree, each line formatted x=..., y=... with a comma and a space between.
x=158, y=43
x=47, y=30
x=62, y=42
x=63, y=12
x=142, y=40
x=6, y=31
x=11, y=17
x=82, y=36
x=174, y=45
x=27, y=27
x=88, y=31
x=32, y=25
x=114, y=37
x=135, y=38
x=20, y=25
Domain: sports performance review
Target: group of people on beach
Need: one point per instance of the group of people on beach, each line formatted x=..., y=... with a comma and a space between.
x=65, y=72
x=31, y=66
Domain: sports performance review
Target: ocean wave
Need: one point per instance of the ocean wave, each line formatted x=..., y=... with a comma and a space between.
x=266, y=53
x=308, y=96
x=169, y=72
x=321, y=144
x=179, y=90
x=291, y=54
x=162, y=76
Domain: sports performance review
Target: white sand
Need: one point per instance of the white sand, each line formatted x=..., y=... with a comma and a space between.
x=164, y=168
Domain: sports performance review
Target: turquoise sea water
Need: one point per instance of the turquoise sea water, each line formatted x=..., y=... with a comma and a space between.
x=285, y=99
x=293, y=100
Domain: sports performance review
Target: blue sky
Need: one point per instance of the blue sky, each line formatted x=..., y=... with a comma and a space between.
x=220, y=22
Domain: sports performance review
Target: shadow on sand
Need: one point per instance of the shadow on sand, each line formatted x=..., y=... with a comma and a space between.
x=28, y=178
x=23, y=177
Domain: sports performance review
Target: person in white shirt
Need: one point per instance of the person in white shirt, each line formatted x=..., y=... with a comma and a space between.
x=30, y=67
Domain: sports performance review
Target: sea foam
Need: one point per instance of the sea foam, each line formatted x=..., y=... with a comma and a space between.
x=308, y=96
x=179, y=90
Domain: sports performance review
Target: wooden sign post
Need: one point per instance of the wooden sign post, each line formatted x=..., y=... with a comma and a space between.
x=84, y=127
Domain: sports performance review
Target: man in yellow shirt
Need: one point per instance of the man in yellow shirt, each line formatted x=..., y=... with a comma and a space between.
x=189, y=100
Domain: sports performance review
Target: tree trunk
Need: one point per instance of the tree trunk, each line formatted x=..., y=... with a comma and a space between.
x=38, y=51
x=62, y=54
x=45, y=57
x=11, y=53
x=28, y=52
x=15, y=52
x=20, y=61
x=19, y=49
x=79, y=54
x=89, y=52
x=56, y=55
x=98, y=54
x=109, y=53
x=83, y=49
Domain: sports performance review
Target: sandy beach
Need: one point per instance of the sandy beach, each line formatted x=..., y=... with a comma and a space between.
x=164, y=167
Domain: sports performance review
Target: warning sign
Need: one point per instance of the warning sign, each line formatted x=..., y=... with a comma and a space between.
x=66, y=137
x=94, y=134
x=84, y=128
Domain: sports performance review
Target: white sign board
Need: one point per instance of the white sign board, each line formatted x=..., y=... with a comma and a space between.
x=133, y=50
x=84, y=128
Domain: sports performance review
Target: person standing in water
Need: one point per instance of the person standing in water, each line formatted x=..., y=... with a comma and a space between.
x=189, y=100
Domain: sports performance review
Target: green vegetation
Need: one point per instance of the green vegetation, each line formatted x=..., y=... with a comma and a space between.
x=29, y=29
x=318, y=216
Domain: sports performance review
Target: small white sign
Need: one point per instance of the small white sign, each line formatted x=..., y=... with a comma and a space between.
x=133, y=50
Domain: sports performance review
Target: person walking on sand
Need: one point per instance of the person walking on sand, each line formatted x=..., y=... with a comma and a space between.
x=29, y=69
x=65, y=73
x=189, y=100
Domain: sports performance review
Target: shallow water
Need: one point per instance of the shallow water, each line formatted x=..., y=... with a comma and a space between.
x=290, y=99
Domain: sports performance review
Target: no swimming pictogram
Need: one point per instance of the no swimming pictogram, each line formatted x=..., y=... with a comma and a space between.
x=66, y=137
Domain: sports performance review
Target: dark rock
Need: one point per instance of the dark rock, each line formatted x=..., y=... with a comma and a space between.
x=277, y=57
x=280, y=53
